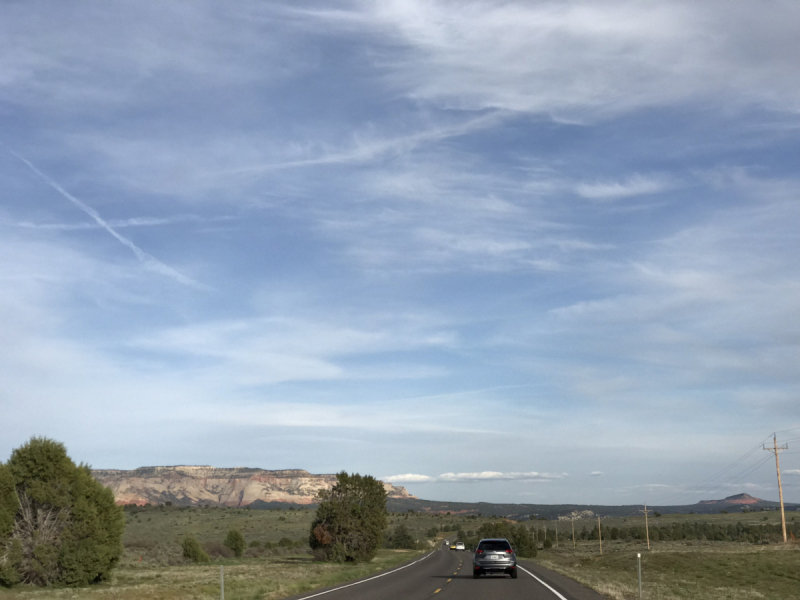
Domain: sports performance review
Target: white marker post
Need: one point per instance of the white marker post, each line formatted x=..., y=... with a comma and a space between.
x=639, y=560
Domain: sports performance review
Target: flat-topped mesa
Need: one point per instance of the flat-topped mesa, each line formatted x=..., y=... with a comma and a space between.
x=237, y=486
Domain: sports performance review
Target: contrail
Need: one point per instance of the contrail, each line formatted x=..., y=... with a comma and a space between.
x=146, y=259
x=368, y=152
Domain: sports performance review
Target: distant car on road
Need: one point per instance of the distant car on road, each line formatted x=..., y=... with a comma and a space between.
x=494, y=556
x=453, y=546
x=460, y=546
x=447, y=542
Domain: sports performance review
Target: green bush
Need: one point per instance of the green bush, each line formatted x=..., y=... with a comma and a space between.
x=193, y=551
x=67, y=528
x=522, y=542
x=401, y=538
x=350, y=519
x=235, y=541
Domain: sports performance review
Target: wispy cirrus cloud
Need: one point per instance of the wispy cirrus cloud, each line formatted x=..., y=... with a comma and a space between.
x=596, y=473
x=132, y=222
x=637, y=185
x=592, y=58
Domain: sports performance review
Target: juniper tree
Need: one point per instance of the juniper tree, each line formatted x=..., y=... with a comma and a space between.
x=350, y=519
x=66, y=527
x=235, y=541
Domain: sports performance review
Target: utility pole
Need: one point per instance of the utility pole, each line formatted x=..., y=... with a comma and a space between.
x=646, y=527
x=573, y=533
x=776, y=450
x=600, y=534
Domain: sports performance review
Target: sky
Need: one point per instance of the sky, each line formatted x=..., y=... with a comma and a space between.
x=539, y=252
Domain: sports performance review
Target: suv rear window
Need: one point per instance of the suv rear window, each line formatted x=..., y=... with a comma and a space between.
x=494, y=546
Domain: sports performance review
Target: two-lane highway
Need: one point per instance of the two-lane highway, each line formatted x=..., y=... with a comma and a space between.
x=447, y=575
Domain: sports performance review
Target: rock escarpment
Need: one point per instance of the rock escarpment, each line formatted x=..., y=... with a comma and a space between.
x=189, y=485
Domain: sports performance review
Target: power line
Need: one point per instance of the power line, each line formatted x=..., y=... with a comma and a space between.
x=684, y=493
x=790, y=429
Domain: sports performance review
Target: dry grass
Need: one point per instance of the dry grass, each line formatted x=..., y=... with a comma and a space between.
x=672, y=570
x=247, y=579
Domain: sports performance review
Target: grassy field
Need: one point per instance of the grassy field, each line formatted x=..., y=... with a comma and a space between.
x=680, y=570
x=687, y=569
x=153, y=566
x=245, y=579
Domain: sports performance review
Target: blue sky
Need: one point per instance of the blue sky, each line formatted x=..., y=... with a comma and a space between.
x=520, y=252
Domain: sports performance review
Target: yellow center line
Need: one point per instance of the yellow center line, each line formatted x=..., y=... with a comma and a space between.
x=437, y=591
x=449, y=580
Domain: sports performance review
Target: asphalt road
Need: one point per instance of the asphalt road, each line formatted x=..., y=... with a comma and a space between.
x=447, y=575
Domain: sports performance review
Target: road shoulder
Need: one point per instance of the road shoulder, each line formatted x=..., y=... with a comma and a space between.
x=564, y=585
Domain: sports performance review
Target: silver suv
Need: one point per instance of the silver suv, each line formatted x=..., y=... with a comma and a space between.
x=494, y=556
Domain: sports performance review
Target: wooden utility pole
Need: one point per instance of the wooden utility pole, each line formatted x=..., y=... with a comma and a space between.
x=600, y=534
x=776, y=450
x=573, y=533
x=646, y=527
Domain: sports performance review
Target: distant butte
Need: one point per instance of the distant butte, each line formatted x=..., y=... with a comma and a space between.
x=239, y=486
x=737, y=499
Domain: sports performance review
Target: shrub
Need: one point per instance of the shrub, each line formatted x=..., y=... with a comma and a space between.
x=193, y=551
x=522, y=542
x=350, y=519
x=216, y=549
x=235, y=541
x=401, y=538
x=66, y=529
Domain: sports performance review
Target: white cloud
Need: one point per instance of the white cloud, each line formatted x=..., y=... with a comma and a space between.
x=409, y=478
x=791, y=471
x=636, y=185
x=499, y=476
x=595, y=57
x=476, y=477
x=596, y=473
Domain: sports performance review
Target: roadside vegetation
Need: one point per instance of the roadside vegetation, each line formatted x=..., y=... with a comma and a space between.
x=714, y=557
x=170, y=552
x=58, y=525
x=350, y=520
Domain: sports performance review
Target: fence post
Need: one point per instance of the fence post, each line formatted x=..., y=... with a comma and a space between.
x=221, y=582
x=639, y=560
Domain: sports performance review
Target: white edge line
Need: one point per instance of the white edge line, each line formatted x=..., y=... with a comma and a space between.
x=542, y=582
x=341, y=587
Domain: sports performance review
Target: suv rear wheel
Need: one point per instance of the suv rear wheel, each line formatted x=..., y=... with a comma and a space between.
x=514, y=573
x=476, y=574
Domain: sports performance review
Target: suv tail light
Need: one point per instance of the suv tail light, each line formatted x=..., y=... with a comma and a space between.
x=478, y=551
x=509, y=551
